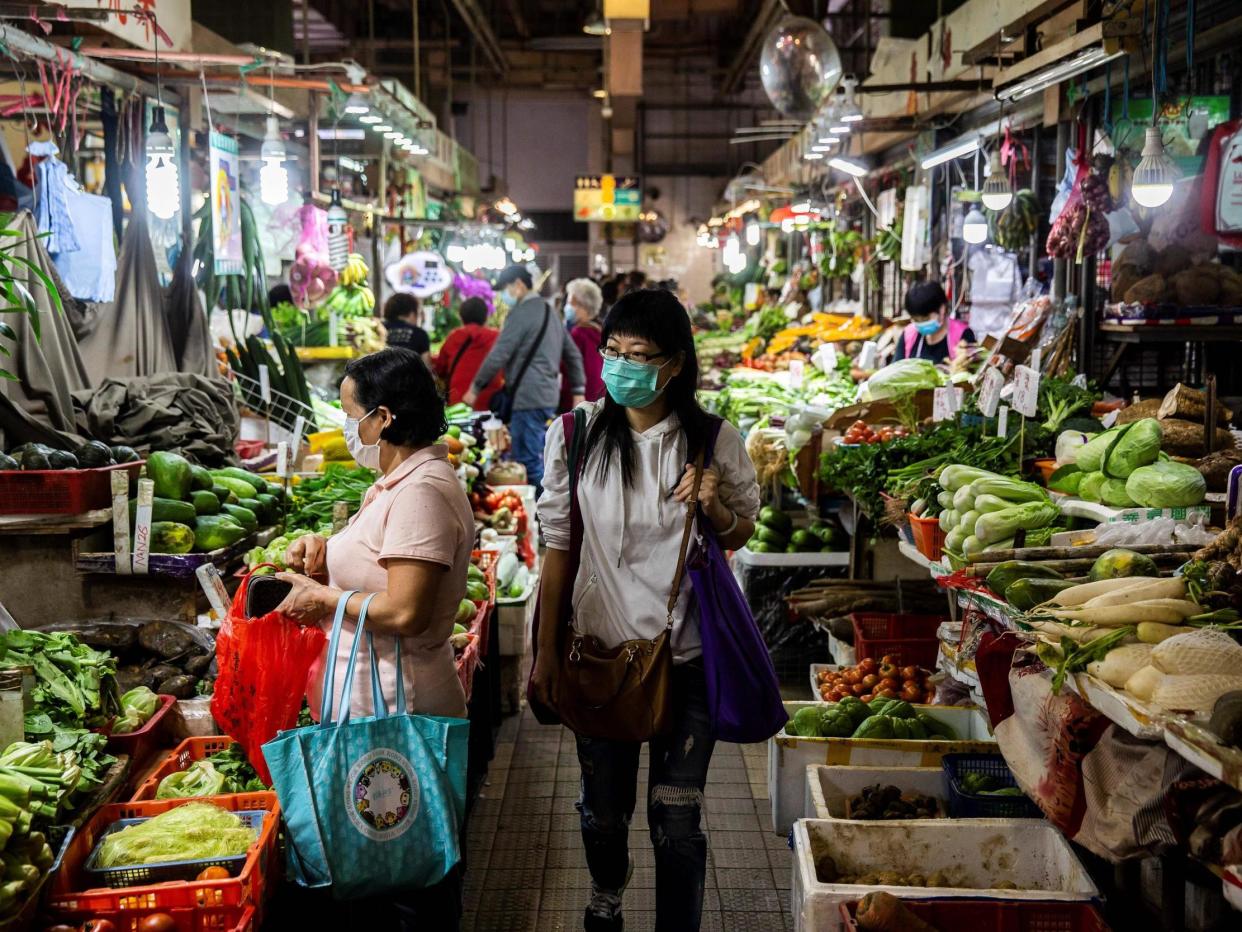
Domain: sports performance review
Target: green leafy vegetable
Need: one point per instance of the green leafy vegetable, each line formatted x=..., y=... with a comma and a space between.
x=199, y=779
x=193, y=832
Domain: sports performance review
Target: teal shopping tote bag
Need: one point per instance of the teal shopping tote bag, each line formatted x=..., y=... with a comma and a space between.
x=371, y=805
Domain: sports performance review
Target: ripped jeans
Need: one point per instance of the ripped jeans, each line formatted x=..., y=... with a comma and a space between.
x=676, y=779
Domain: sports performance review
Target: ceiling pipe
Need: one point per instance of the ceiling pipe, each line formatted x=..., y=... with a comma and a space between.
x=478, y=24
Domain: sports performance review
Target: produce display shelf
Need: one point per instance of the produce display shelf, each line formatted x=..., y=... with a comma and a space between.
x=911, y=553
x=996, y=609
x=173, y=565
x=54, y=524
x=1195, y=744
x=1122, y=709
x=747, y=557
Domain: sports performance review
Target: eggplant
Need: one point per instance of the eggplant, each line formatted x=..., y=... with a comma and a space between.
x=197, y=666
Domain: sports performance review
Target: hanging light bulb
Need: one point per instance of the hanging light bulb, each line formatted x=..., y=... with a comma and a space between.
x=273, y=176
x=596, y=25
x=975, y=227
x=997, y=194
x=1152, y=184
x=338, y=240
x=753, y=233
x=163, y=185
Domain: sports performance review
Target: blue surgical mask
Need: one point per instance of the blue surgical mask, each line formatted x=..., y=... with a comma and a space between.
x=569, y=315
x=632, y=384
x=927, y=327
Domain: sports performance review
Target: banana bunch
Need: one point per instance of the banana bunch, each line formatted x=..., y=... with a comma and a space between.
x=351, y=301
x=355, y=272
x=1013, y=227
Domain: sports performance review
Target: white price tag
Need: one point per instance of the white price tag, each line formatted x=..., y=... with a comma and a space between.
x=942, y=404
x=825, y=358
x=797, y=370
x=990, y=391
x=1036, y=355
x=299, y=427
x=142, y=526
x=213, y=587
x=282, y=459
x=866, y=357
x=1110, y=418
x=1025, y=391
x=1002, y=421
x=265, y=385
x=120, y=521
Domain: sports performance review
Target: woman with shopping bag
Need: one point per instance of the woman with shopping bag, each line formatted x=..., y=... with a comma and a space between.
x=379, y=817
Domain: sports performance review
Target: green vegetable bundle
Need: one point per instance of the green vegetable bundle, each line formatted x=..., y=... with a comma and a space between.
x=137, y=707
x=193, y=832
x=313, y=498
x=199, y=779
x=73, y=682
x=881, y=719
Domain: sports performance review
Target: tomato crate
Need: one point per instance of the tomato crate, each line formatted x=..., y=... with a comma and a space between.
x=203, y=919
x=995, y=915
x=911, y=639
x=143, y=743
x=180, y=758
x=964, y=805
x=928, y=538
x=59, y=491
x=72, y=894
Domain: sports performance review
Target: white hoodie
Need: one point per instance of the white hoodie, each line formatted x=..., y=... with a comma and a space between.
x=631, y=536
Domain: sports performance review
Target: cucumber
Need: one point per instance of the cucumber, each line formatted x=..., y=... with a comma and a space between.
x=238, y=487
x=1009, y=572
x=260, y=485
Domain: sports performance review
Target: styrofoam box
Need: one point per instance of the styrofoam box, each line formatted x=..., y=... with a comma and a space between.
x=828, y=788
x=841, y=652
x=788, y=757
x=1033, y=856
x=513, y=625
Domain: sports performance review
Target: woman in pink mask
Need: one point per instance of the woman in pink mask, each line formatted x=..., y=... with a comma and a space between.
x=932, y=334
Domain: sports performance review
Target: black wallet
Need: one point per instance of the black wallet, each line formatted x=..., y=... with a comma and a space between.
x=264, y=594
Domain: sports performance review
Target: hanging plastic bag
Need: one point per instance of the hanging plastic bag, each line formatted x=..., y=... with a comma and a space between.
x=263, y=665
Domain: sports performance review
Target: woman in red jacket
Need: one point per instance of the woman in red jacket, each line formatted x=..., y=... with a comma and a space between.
x=583, y=300
x=463, y=353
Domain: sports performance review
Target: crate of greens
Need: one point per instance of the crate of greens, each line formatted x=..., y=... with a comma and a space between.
x=981, y=786
x=201, y=767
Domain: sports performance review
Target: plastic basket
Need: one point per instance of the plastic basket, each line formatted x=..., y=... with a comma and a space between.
x=486, y=560
x=201, y=919
x=144, y=742
x=995, y=915
x=185, y=754
x=143, y=874
x=59, y=491
x=72, y=892
x=928, y=538
x=963, y=805
x=911, y=639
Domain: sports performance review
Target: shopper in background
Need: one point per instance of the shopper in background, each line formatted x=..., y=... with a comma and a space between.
x=463, y=353
x=609, y=291
x=932, y=334
x=582, y=305
x=530, y=351
x=409, y=545
x=636, y=280
x=401, y=322
x=632, y=489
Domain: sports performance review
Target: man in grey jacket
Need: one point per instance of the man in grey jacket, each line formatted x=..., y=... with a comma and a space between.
x=530, y=332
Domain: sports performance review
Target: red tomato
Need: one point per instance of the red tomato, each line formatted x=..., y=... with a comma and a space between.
x=886, y=693
x=870, y=680
x=889, y=682
x=886, y=669
x=866, y=697
x=911, y=694
x=909, y=673
x=868, y=665
x=853, y=677
x=99, y=925
x=890, y=659
x=860, y=690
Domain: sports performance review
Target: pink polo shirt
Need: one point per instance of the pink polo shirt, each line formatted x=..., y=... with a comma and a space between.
x=418, y=512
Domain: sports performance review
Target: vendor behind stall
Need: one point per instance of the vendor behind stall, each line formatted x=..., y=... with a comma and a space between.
x=932, y=333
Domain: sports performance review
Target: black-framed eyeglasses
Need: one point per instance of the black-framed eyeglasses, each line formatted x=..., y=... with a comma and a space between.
x=641, y=358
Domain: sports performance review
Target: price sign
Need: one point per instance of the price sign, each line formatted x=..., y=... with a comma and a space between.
x=796, y=372
x=866, y=357
x=990, y=391
x=299, y=427
x=213, y=587
x=1025, y=390
x=120, y=521
x=825, y=358
x=1002, y=421
x=282, y=459
x=265, y=385
x=942, y=404
x=142, y=526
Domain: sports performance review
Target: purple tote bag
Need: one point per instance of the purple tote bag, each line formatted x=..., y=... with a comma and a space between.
x=742, y=689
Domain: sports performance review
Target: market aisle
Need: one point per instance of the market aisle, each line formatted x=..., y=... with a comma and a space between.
x=526, y=871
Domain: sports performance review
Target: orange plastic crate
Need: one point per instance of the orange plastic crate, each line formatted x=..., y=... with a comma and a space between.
x=928, y=537
x=179, y=759
x=222, y=919
x=486, y=560
x=68, y=896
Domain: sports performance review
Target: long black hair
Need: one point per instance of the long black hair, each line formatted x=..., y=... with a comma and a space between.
x=659, y=318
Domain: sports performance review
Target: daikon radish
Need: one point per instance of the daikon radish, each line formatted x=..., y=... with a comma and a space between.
x=1193, y=693
x=1187, y=608
x=1172, y=588
x=1143, y=683
x=1121, y=663
x=1152, y=632
x=1198, y=652
x=1117, y=615
x=1083, y=593
x=1082, y=634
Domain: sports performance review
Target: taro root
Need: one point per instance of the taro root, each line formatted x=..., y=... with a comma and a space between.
x=117, y=640
x=1196, y=287
x=1172, y=259
x=1125, y=277
x=166, y=639
x=1149, y=290
x=197, y=666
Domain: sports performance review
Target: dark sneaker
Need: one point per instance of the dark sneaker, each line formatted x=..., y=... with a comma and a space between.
x=603, y=913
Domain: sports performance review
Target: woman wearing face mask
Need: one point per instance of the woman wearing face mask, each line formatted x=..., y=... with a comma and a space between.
x=409, y=545
x=632, y=489
x=582, y=305
x=932, y=334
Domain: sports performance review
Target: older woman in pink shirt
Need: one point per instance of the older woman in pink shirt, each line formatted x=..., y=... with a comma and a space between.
x=409, y=544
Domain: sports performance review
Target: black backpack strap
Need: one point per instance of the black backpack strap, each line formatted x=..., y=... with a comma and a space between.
x=457, y=358
x=512, y=387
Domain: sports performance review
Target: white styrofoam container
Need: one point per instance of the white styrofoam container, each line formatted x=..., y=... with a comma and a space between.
x=1135, y=716
x=513, y=625
x=788, y=757
x=747, y=557
x=828, y=788
x=1033, y=856
x=841, y=652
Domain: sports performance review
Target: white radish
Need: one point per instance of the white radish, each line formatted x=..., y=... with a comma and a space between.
x=1172, y=588
x=1152, y=632
x=1084, y=592
x=1121, y=663
x=1187, y=608
x=1143, y=683
x=1082, y=634
x=1117, y=615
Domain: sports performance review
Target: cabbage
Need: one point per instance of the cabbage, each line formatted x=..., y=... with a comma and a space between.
x=1137, y=447
x=1166, y=485
x=1089, y=487
x=200, y=779
x=903, y=377
x=1066, y=479
x=1090, y=457
x=1113, y=492
x=193, y=832
x=1068, y=444
x=137, y=707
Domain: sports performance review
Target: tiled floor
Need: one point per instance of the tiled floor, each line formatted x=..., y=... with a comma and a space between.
x=526, y=871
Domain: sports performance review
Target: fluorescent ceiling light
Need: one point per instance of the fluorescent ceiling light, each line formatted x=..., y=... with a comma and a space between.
x=371, y=118
x=802, y=207
x=1152, y=184
x=357, y=104
x=850, y=168
x=954, y=150
x=392, y=134
x=342, y=133
x=839, y=127
x=381, y=128
x=812, y=156
x=1061, y=71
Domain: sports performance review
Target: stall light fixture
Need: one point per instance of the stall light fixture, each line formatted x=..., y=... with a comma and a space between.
x=371, y=118
x=356, y=105
x=753, y=233
x=380, y=128
x=954, y=150
x=392, y=134
x=802, y=207
x=596, y=25
x=273, y=176
x=997, y=193
x=850, y=111
x=811, y=155
x=342, y=132
x=975, y=227
x=1062, y=71
x=163, y=184
x=849, y=167
x=1152, y=184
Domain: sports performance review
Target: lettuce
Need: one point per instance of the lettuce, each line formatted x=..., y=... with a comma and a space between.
x=1137, y=447
x=904, y=377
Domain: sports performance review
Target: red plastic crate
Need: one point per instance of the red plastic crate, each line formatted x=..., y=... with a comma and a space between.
x=909, y=638
x=928, y=538
x=59, y=491
x=996, y=915
x=221, y=919
x=486, y=560
x=68, y=896
x=181, y=757
x=144, y=742
x=470, y=657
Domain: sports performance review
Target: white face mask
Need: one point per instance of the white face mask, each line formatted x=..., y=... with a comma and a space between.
x=364, y=454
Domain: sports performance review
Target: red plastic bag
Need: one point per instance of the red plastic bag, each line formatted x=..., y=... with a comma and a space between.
x=263, y=664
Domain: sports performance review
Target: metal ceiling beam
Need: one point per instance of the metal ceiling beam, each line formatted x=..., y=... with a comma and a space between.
x=769, y=10
x=478, y=24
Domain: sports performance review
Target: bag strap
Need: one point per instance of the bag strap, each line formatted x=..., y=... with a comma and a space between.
x=329, y=673
x=517, y=380
x=692, y=508
x=456, y=359
x=347, y=688
x=378, y=704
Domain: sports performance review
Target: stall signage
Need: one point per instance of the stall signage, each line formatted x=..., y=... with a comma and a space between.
x=990, y=391
x=142, y=526
x=1025, y=390
x=226, y=205
x=607, y=198
x=946, y=402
